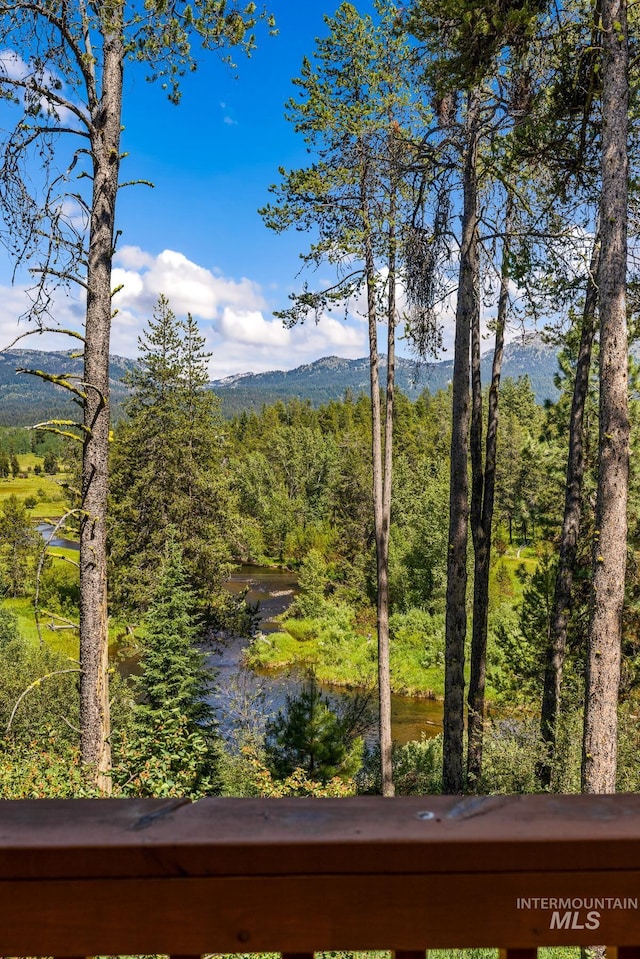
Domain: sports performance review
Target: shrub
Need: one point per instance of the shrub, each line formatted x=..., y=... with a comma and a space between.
x=417, y=768
x=60, y=587
x=312, y=581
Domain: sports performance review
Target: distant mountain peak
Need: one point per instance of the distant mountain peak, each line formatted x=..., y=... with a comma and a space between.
x=329, y=377
x=25, y=400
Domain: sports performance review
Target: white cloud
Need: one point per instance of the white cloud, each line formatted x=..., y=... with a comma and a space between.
x=12, y=65
x=190, y=288
x=228, y=118
x=14, y=303
x=233, y=316
x=251, y=327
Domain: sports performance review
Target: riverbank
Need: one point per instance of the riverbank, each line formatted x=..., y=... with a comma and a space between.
x=342, y=650
x=260, y=682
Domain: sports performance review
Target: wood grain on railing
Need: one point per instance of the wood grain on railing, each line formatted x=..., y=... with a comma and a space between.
x=125, y=877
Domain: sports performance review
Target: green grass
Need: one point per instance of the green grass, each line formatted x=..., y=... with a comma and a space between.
x=506, y=582
x=342, y=655
x=46, y=489
x=66, y=641
x=62, y=640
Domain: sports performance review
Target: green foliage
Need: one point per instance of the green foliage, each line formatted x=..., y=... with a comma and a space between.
x=332, y=644
x=467, y=39
x=342, y=650
x=299, y=783
x=60, y=588
x=8, y=627
x=46, y=768
x=419, y=631
x=51, y=702
x=520, y=637
x=166, y=756
x=165, y=39
x=512, y=750
x=309, y=735
x=523, y=642
x=17, y=546
x=168, y=470
x=312, y=581
x=419, y=535
x=173, y=673
x=417, y=769
x=50, y=464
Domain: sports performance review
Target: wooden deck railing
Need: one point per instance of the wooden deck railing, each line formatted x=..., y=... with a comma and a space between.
x=122, y=877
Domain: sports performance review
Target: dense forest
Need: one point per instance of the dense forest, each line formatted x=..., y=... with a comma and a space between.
x=466, y=544
x=288, y=486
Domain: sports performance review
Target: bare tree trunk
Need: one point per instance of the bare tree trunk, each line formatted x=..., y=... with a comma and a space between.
x=456, y=614
x=378, y=493
x=556, y=650
x=94, y=637
x=384, y=651
x=482, y=499
x=609, y=557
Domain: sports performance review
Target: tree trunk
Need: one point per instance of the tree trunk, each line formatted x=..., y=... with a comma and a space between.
x=556, y=650
x=609, y=556
x=94, y=638
x=384, y=672
x=456, y=614
x=381, y=534
x=482, y=499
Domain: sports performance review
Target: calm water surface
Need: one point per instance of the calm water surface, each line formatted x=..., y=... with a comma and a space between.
x=246, y=698
x=243, y=696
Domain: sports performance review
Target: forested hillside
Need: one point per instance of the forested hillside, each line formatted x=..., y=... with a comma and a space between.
x=25, y=399
x=327, y=379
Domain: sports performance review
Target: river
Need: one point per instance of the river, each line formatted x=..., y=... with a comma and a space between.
x=244, y=697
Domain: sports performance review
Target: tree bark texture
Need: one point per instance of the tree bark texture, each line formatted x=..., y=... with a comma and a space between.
x=556, y=650
x=482, y=499
x=384, y=643
x=378, y=492
x=456, y=614
x=609, y=555
x=94, y=638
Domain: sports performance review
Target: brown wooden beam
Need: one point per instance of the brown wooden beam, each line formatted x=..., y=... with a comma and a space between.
x=299, y=875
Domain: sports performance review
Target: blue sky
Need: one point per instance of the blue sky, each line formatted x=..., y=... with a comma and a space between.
x=197, y=236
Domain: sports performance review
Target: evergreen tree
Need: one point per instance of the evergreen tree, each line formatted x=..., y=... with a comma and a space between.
x=50, y=462
x=71, y=86
x=308, y=734
x=173, y=672
x=168, y=468
x=174, y=726
x=17, y=545
x=359, y=113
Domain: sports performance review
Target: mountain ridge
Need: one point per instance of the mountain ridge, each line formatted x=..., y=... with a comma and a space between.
x=25, y=400
x=328, y=378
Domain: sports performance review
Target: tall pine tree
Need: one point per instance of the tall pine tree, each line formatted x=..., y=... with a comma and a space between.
x=168, y=468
